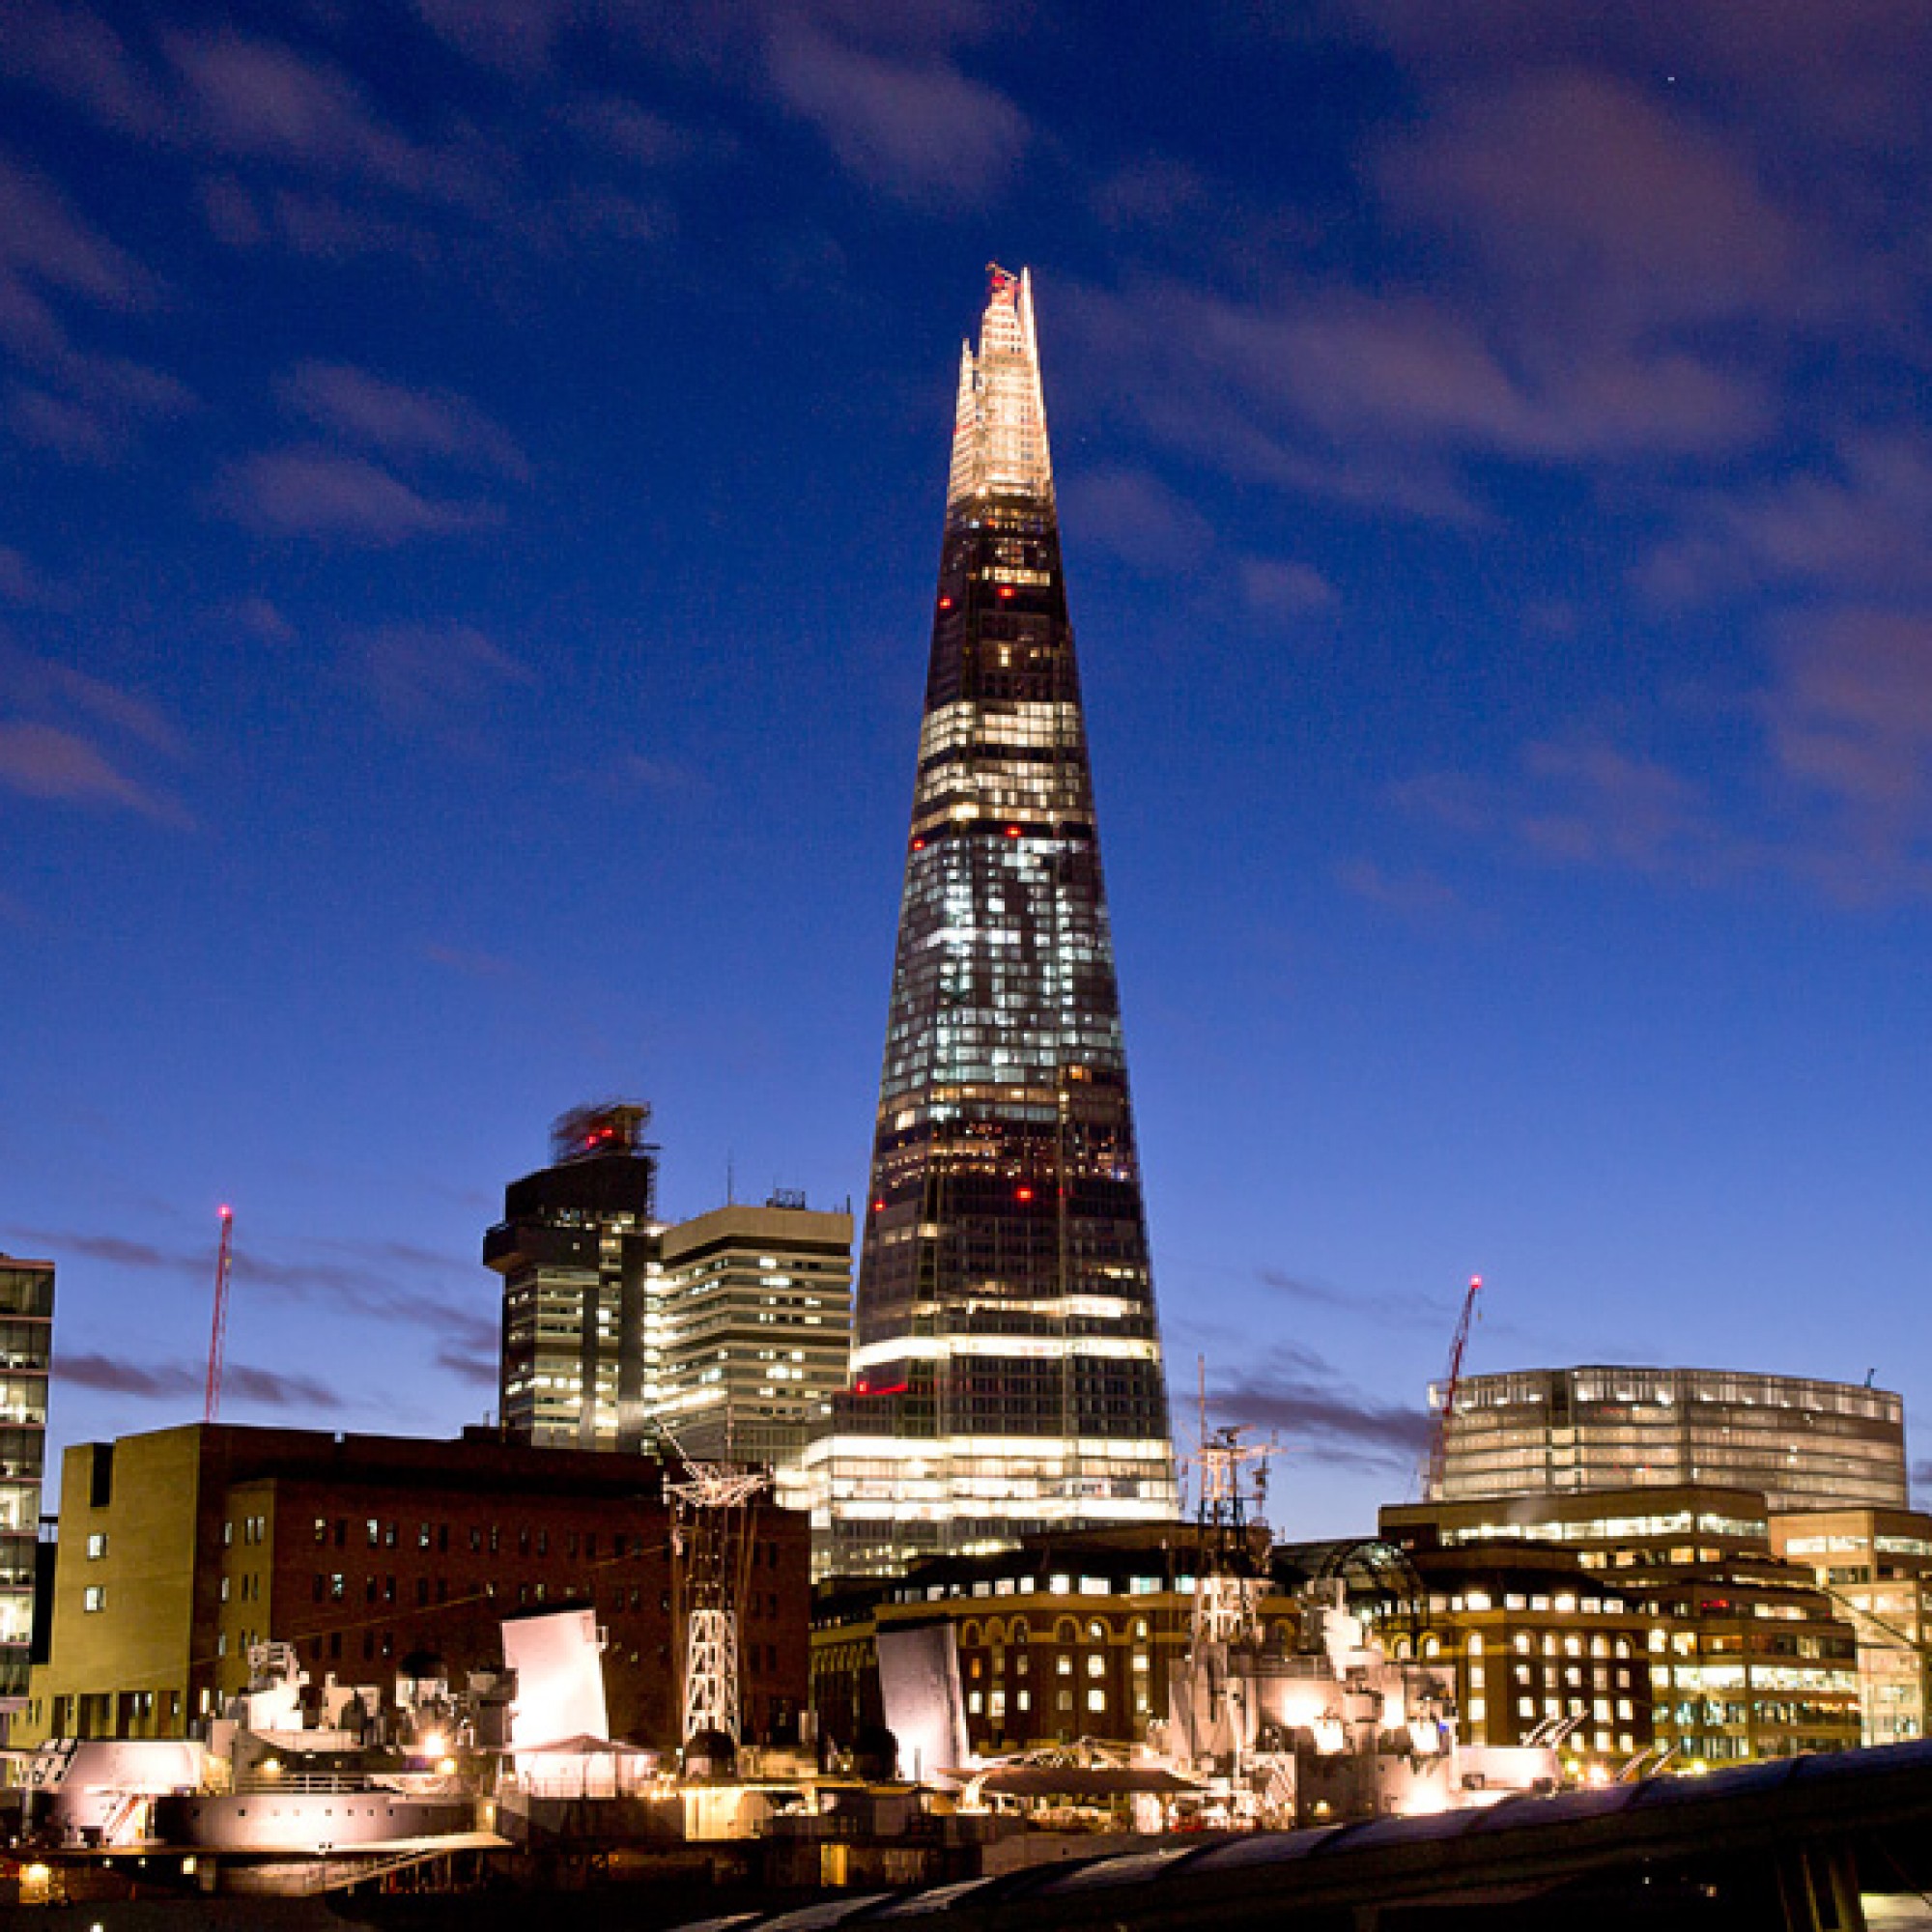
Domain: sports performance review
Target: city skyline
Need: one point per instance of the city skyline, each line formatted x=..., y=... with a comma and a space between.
x=464, y=578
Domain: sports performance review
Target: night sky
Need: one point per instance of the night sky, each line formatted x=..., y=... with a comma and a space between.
x=471, y=482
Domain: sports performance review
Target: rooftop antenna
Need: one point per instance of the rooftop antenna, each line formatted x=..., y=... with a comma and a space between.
x=217, y=1341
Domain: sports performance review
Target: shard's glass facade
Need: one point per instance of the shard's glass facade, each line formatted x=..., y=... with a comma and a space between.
x=1006, y=1370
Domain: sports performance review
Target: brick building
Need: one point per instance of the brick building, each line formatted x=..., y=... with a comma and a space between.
x=1748, y=1656
x=180, y=1547
x=1061, y=1637
x=1534, y=1638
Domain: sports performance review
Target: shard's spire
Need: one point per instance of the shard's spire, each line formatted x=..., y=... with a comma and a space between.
x=1005, y=1353
x=999, y=428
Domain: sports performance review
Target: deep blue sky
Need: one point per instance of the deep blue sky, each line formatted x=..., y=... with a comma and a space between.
x=470, y=489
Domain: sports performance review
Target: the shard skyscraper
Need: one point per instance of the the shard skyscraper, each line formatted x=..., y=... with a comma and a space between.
x=1006, y=1368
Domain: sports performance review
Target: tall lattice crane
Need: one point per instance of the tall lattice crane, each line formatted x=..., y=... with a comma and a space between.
x=1438, y=1441
x=217, y=1341
x=711, y=1550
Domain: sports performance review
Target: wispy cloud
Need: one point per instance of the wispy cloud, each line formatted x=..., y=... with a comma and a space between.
x=383, y=1281
x=44, y=762
x=265, y=100
x=1314, y=1409
x=147, y=1380
x=399, y=421
x=1594, y=199
x=22, y=584
x=1860, y=517
x=43, y=239
x=1376, y=1306
x=1413, y=891
x=326, y=495
x=913, y=124
x=472, y=1363
x=1138, y=517
x=1281, y=588
x=434, y=677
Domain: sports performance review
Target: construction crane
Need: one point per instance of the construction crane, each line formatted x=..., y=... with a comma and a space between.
x=217, y=1341
x=1438, y=1441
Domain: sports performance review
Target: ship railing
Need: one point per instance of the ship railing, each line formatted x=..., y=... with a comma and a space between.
x=265, y=1783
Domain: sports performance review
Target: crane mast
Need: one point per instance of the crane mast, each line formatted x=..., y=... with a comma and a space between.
x=217, y=1341
x=1438, y=1443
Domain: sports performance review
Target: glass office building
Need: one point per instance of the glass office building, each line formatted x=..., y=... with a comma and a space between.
x=1007, y=1368
x=26, y=1353
x=1802, y=1445
x=580, y=1250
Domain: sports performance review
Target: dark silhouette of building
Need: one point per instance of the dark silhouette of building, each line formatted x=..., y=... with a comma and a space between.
x=578, y=1247
x=1007, y=1365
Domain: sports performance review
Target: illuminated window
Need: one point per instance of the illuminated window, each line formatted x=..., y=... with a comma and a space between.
x=94, y=1598
x=1097, y=1700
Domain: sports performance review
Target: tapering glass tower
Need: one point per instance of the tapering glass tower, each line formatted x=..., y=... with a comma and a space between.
x=1006, y=1371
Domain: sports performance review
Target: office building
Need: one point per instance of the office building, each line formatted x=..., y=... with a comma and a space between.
x=1749, y=1657
x=1538, y=1643
x=26, y=1353
x=578, y=1250
x=757, y=1325
x=1801, y=1444
x=1876, y=1567
x=1006, y=1369
x=1059, y=1636
x=181, y=1547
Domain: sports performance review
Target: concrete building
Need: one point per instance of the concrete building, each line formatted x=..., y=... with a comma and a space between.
x=578, y=1248
x=1876, y=1564
x=181, y=1547
x=26, y=1353
x=1801, y=1444
x=755, y=1322
x=1749, y=1658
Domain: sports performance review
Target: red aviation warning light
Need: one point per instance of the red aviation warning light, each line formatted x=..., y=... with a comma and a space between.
x=1022, y=1193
